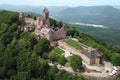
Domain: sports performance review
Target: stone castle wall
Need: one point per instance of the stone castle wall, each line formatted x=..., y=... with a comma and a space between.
x=78, y=52
x=56, y=35
x=60, y=34
x=30, y=20
x=73, y=51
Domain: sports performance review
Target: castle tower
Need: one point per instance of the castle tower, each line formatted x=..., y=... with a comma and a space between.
x=21, y=16
x=22, y=19
x=45, y=14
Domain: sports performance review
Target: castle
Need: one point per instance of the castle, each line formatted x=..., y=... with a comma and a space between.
x=42, y=26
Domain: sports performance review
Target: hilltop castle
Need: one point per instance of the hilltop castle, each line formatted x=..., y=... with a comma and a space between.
x=41, y=26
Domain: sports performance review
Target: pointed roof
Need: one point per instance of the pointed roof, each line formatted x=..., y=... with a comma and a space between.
x=50, y=32
x=63, y=29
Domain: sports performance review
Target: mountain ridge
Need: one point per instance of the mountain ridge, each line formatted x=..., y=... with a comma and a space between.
x=104, y=15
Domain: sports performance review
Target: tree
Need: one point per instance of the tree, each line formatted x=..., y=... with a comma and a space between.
x=2, y=50
x=59, y=24
x=62, y=60
x=42, y=46
x=72, y=32
x=45, y=55
x=39, y=68
x=53, y=71
x=2, y=72
x=6, y=38
x=23, y=76
x=8, y=17
x=75, y=62
x=33, y=42
x=13, y=28
x=116, y=59
x=53, y=22
x=118, y=78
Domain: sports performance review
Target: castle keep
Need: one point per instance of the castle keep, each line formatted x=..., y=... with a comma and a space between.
x=42, y=26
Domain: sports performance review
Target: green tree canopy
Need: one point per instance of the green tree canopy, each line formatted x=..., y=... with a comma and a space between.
x=42, y=46
x=62, y=60
x=75, y=62
x=116, y=59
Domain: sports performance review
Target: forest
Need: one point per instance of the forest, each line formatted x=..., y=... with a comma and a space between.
x=24, y=57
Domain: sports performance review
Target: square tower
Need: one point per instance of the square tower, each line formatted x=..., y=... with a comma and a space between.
x=45, y=14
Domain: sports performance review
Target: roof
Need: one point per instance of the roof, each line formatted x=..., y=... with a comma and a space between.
x=91, y=54
x=45, y=10
x=63, y=29
x=46, y=31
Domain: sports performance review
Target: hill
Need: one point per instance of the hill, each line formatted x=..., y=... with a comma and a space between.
x=107, y=35
x=23, y=56
x=31, y=9
x=117, y=7
x=104, y=15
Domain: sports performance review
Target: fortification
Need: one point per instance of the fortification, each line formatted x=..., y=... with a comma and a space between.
x=41, y=26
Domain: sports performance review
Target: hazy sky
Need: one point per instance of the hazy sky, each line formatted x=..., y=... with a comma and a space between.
x=61, y=2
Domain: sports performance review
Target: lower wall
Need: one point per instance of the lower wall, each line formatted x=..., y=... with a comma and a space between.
x=74, y=51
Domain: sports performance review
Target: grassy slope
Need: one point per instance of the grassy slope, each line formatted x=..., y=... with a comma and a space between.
x=57, y=50
x=73, y=44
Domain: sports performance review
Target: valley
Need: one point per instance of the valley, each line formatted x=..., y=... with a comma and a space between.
x=101, y=22
x=102, y=33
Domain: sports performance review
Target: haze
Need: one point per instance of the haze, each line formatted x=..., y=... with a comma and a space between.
x=61, y=2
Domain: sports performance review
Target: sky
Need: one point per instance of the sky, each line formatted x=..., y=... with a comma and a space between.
x=61, y=2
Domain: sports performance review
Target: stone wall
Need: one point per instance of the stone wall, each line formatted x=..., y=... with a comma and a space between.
x=73, y=51
x=60, y=34
x=30, y=20
x=90, y=61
